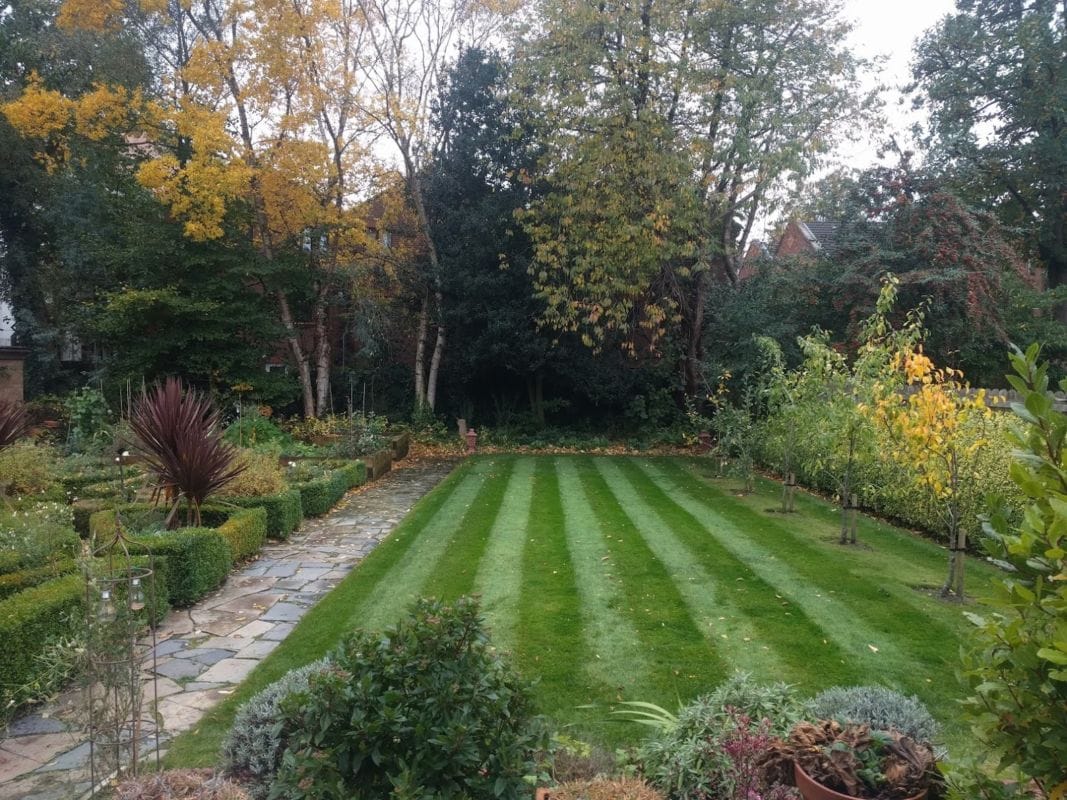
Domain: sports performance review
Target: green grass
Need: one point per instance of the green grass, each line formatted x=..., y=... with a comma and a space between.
x=609, y=579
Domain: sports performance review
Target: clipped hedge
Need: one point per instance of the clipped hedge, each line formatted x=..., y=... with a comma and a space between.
x=284, y=511
x=14, y=582
x=83, y=510
x=33, y=617
x=192, y=561
x=244, y=528
x=356, y=472
x=320, y=495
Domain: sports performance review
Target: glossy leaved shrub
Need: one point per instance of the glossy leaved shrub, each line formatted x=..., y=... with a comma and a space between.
x=425, y=708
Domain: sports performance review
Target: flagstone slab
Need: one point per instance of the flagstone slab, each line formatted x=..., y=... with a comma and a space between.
x=232, y=670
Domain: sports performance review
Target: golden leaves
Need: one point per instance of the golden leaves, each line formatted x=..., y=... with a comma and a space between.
x=91, y=15
x=39, y=113
x=105, y=111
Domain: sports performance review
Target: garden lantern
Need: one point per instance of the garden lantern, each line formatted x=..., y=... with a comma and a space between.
x=121, y=722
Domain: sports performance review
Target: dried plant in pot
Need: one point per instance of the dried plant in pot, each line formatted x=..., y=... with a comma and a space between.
x=178, y=434
x=830, y=761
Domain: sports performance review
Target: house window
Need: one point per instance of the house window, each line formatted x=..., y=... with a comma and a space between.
x=386, y=239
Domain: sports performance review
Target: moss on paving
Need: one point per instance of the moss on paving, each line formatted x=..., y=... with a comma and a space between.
x=624, y=578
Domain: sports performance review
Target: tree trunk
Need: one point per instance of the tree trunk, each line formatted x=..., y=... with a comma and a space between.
x=420, y=354
x=292, y=337
x=535, y=388
x=435, y=362
x=694, y=352
x=322, y=352
x=415, y=187
x=846, y=486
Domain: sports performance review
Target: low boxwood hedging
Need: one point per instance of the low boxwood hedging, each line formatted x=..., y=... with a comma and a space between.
x=195, y=560
x=13, y=582
x=284, y=511
x=322, y=494
x=192, y=561
x=244, y=528
x=83, y=509
x=32, y=618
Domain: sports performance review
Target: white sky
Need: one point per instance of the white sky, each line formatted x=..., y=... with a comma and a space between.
x=889, y=28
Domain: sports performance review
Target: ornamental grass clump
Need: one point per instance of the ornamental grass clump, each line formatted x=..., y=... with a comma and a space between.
x=178, y=434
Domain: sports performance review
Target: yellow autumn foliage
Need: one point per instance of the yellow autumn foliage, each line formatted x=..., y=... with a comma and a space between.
x=39, y=113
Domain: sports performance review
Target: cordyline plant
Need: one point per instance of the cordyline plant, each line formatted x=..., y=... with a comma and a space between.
x=179, y=436
x=13, y=423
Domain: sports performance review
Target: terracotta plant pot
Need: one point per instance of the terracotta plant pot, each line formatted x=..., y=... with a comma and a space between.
x=810, y=790
x=542, y=793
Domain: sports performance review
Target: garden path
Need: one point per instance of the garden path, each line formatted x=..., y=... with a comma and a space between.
x=205, y=650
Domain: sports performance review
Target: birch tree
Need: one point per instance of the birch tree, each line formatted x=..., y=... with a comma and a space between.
x=411, y=43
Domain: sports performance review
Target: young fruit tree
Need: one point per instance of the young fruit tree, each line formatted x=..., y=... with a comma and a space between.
x=936, y=431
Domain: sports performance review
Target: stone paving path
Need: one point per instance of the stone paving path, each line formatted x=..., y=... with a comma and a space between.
x=203, y=651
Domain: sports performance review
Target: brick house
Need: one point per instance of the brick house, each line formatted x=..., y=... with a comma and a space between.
x=799, y=239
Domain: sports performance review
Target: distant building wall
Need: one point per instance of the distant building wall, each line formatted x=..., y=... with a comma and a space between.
x=794, y=242
x=7, y=324
x=11, y=376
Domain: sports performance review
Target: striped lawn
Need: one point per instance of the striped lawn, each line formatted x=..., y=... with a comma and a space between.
x=608, y=579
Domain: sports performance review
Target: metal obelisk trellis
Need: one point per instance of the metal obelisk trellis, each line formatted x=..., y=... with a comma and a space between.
x=120, y=595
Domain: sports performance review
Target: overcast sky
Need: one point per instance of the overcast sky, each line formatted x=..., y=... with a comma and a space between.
x=889, y=28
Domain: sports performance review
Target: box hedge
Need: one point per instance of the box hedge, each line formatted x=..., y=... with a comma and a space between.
x=33, y=617
x=284, y=511
x=192, y=561
x=83, y=510
x=322, y=494
x=195, y=560
x=244, y=528
x=14, y=582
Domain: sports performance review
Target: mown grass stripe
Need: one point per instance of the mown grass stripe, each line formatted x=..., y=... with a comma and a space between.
x=551, y=644
x=781, y=561
x=682, y=660
x=403, y=584
x=499, y=570
x=921, y=558
x=617, y=657
x=860, y=577
x=731, y=616
x=455, y=572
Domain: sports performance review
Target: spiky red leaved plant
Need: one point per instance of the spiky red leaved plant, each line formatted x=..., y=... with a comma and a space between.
x=179, y=436
x=13, y=423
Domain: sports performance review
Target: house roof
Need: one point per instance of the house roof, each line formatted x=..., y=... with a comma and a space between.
x=821, y=234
